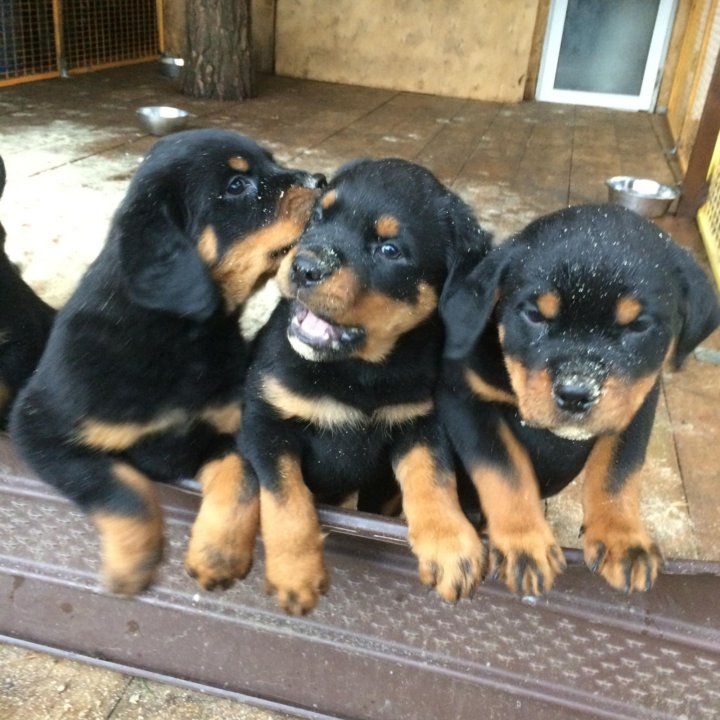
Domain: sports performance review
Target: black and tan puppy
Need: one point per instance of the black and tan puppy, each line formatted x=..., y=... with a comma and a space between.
x=25, y=322
x=554, y=348
x=142, y=374
x=340, y=394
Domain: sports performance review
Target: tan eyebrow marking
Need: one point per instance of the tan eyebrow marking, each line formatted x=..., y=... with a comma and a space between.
x=549, y=305
x=387, y=226
x=239, y=163
x=627, y=310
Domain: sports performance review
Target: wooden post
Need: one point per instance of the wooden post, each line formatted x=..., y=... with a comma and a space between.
x=219, y=61
x=694, y=187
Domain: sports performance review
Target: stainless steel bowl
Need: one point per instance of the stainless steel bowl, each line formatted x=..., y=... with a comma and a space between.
x=646, y=197
x=162, y=119
x=171, y=67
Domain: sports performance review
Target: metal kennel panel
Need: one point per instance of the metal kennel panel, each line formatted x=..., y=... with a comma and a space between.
x=106, y=33
x=28, y=40
x=709, y=214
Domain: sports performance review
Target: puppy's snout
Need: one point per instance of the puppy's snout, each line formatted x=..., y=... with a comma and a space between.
x=313, y=267
x=576, y=393
x=319, y=179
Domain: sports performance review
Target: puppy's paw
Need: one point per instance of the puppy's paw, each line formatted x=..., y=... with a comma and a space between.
x=297, y=581
x=221, y=549
x=217, y=566
x=131, y=551
x=625, y=556
x=527, y=560
x=451, y=557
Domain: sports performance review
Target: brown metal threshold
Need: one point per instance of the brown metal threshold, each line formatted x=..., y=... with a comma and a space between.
x=379, y=645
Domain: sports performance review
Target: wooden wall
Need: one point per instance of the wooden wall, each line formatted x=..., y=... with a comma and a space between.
x=464, y=48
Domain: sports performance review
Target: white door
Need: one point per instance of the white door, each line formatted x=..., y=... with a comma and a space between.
x=606, y=53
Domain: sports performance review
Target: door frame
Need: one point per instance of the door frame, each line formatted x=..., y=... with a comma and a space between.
x=653, y=68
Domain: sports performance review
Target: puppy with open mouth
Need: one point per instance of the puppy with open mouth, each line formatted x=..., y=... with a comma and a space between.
x=555, y=343
x=340, y=394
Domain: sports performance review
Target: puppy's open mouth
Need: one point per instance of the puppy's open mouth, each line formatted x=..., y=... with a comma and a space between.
x=315, y=338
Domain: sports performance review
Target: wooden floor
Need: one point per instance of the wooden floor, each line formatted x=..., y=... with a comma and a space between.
x=70, y=147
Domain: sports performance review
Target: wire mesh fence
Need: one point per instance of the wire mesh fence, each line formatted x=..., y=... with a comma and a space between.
x=44, y=38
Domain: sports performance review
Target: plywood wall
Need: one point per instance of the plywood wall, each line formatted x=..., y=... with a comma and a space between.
x=464, y=48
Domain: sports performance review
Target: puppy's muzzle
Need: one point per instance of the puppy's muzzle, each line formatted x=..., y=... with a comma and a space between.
x=313, y=266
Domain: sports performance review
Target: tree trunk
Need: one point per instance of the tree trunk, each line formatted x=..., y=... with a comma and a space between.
x=219, y=61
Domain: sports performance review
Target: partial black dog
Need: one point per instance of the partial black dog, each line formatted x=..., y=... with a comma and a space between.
x=25, y=322
x=142, y=374
x=340, y=395
x=554, y=348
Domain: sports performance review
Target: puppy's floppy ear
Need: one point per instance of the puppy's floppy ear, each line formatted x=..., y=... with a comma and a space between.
x=468, y=238
x=699, y=311
x=468, y=299
x=160, y=263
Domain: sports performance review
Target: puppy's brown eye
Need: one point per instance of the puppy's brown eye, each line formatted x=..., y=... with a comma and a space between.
x=237, y=185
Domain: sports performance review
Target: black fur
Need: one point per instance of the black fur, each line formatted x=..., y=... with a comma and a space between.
x=435, y=230
x=150, y=334
x=25, y=322
x=589, y=258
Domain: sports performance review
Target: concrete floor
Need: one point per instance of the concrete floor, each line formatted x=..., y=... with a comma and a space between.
x=70, y=147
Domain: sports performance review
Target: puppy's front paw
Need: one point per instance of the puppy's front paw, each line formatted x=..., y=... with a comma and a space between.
x=132, y=549
x=625, y=556
x=451, y=557
x=221, y=546
x=527, y=559
x=297, y=581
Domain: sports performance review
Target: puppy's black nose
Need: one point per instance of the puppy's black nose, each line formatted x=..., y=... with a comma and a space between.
x=320, y=180
x=575, y=394
x=311, y=268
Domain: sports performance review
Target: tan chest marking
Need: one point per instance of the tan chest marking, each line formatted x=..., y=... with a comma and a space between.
x=323, y=411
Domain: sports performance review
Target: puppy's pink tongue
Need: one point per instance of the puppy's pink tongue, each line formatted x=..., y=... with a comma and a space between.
x=315, y=327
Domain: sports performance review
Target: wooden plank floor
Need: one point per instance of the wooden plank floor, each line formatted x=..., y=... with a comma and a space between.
x=70, y=147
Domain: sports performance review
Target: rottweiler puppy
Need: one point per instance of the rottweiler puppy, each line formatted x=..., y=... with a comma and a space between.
x=339, y=397
x=141, y=377
x=555, y=343
x=25, y=322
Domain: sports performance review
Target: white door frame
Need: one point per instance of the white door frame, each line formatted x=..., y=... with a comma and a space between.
x=651, y=79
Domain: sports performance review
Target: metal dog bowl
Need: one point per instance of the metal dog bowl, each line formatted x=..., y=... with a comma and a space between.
x=171, y=67
x=646, y=197
x=162, y=119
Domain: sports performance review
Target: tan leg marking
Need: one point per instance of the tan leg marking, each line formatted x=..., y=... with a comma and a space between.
x=131, y=546
x=616, y=544
x=223, y=534
x=294, y=565
x=450, y=555
x=523, y=550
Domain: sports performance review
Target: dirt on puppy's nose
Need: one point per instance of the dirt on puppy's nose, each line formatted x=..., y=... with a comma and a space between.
x=313, y=267
x=575, y=393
